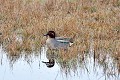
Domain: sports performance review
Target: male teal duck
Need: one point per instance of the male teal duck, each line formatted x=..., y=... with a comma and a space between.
x=54, y=42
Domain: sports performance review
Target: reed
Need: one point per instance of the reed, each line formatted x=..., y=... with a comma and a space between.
x=23, y=23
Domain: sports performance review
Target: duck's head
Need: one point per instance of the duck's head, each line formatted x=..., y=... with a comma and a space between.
x=50, y=34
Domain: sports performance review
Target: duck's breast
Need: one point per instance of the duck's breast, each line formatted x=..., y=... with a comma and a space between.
x=51, y=43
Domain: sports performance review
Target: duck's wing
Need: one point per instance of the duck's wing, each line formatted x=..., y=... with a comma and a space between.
x=62, y=39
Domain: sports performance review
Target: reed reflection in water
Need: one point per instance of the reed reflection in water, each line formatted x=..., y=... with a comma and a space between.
x=94, y=24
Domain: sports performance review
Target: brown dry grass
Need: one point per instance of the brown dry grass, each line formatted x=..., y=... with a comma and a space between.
x=84, y=20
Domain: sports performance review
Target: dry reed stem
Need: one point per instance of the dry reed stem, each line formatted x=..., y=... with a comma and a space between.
x=30, y=19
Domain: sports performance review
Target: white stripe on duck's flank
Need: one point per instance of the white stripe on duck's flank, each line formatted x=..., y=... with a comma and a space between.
x=53, y=42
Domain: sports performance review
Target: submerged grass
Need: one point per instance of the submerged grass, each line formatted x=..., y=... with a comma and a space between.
x=94, y=24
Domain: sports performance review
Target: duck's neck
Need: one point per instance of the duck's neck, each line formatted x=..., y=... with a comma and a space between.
x=50, y=39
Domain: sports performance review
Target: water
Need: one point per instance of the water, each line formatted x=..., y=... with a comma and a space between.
x=34, y=69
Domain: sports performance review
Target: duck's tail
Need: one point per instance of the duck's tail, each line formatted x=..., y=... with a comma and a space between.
x=72, y=40
x=70, y=44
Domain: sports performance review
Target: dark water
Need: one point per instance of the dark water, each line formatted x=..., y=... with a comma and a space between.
x=33, y=68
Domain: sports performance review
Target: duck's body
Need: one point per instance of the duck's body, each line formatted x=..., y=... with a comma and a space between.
x=57, y=42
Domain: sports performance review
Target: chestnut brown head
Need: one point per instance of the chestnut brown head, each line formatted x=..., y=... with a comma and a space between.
x=51, y=34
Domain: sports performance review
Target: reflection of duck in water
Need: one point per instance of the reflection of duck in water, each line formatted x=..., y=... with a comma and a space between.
x=50, y=63
x=57, y=42
x=51, y=56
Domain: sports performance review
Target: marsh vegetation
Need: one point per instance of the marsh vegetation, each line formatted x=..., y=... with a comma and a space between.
x=93, y=24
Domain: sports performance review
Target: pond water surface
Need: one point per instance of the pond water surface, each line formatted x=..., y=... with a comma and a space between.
x=35, y=69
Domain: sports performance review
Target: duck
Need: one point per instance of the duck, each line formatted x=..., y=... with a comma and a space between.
x=54, y=42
